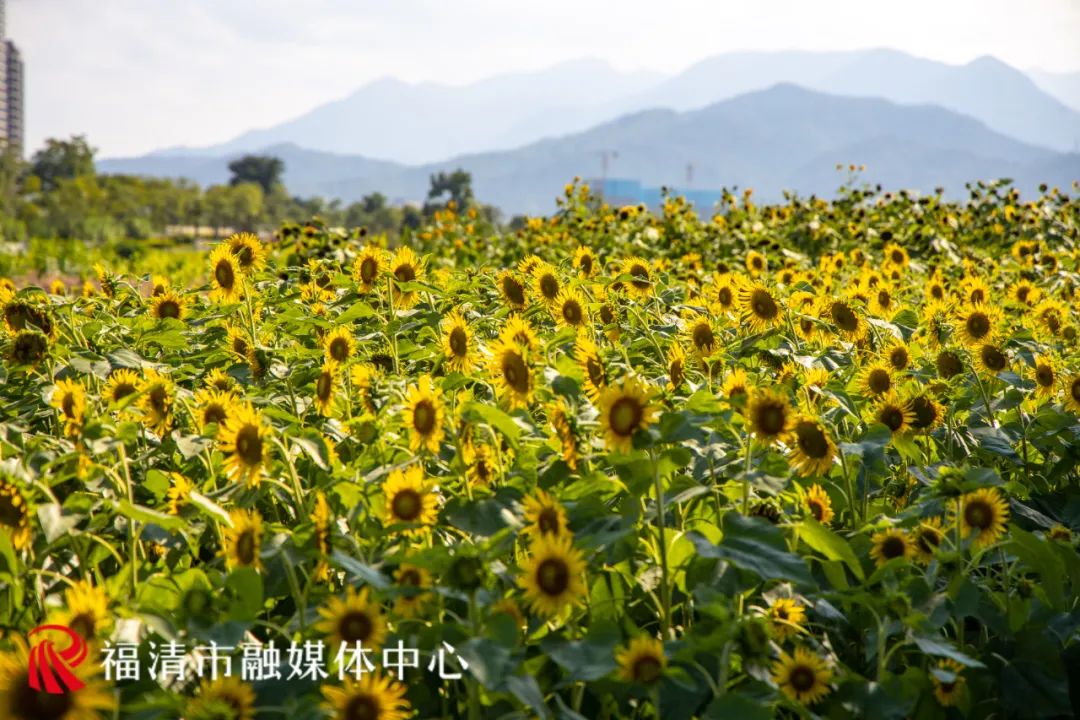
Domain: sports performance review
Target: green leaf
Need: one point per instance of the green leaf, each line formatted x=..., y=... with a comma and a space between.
x=365, y=572
x=756, y=546
x=356, y=311
x=209, y=507
x=1039, y=556
x=246, y=587
x=941, y=648
x=737, y=705
x=829, y=544
x=497, y=419
x=148, y=516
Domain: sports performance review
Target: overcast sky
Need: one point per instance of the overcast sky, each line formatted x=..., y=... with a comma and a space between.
x=138, y=75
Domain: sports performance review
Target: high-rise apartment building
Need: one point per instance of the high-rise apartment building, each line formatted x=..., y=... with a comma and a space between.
x=11, y=90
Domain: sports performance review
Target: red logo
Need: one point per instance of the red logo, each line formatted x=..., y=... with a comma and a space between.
x=50, y=668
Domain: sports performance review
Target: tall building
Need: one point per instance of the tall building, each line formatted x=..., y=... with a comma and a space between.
x=11, y=90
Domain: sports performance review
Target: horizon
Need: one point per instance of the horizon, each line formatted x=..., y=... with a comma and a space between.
x=341, y=47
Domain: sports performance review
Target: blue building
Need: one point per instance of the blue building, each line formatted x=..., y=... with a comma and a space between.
x=622, y=191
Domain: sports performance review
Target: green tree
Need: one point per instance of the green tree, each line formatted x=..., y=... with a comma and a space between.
x=61, y=159
x=457, y=185
x=263, y=170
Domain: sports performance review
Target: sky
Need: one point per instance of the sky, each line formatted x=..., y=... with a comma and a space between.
x=140, y=75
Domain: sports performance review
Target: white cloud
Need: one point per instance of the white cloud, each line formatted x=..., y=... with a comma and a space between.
x=136, y=75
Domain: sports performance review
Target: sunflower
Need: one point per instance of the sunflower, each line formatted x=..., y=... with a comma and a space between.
x=424, y=415
x=891, y=544
x=700, y=334
x=898, y=355
x=802, y=676
x=511, y=289
x=948, y=364
x=18, y=701
x=15, y=513
x=374, y=695
x=248, y=250
x=818, y=504
x=990, y=358
x=242, y=539
x=592, y=367
x=510, y=370
x=926, y=538
x=356, y=619
x=927, y=412
x=69, y=397
x=225, y=275
x=518, y=330
x=409, y=500
x=218, y=379
x=551, y=575
x=624, y=410
x=545, y=516
x=787, y=617
x=29, y=347
x=212, y=407
x=1072, y=393
x=325, y=384
x=585, y=262
x=641, y=661
x=726, y=292
x=949, y=684
x=406, y=267
x=457, y=342
x=339, y=345
x=882, y=302
x=1024, y=293
x=976, y=324
x=569, y=309
x=122, y=383
x=736, y=387
x=1049, y=317
x=640, y=284
x=226, y=693
x=876, y=379
x=564, y=424
x=363, y=385
x=985, y=512
x=756, y=263
x=770, y=416
x=842, y=315
x=481, y=464
x=245, y=440
x=547, y=283
x=156, y=403
x=894, y=413
x=238, y=341
x=896, y=255
x=22, y=314
x=1045, y=378
x=812, y=449
x=412, y=583
x=368, y=268
x=759, y=309
x=676, y=366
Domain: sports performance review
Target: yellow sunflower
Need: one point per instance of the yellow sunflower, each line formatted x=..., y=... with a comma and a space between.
x=122, y=383
x=563, y=423
x=641, y=282
x=157, y=400
x=641, y=661
x=19, y=702
x=812, y=449
x=339, y=345
x=585, y=262
x=512, y=290
x=759, y=310
x=756, y=263
x=69, y=397
x=927, y=412
x=551, y=575
x=624, y=410
x=374, y=695
x=15, y=513
x=770, y=416
x=406, y=267
x=226, y=280
x=168, y=304
x=990, y=358
x=949, y=683
x=325, y=386
x=891, y=544
x=410, y=500
x=700, y=334
x=736, y=388
x=412, y=583
x=368, y=268
x=424, y=415
x=592, y=367
x=898, y=355
x=676, y=366
x=1072, y=393
x=518, y=330
x=976, y=324
x=894, y=413
x=242, y=539
x=926, y=538
x=569, y=309
x=841, y=313
x=245, y=440
x=787, y=617
x=546, y=281
x=802, y=676
x=509, y=368
x=1045, y=378
x=545, y=516
x=876, y=379
x=986, y=513
x=818, y=504
x=355, y=619
x=457, y=343
x=213, y=407
x=86, y=611
x=248, y=250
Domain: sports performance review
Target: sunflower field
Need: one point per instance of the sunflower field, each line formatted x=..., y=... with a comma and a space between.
x=810, y=459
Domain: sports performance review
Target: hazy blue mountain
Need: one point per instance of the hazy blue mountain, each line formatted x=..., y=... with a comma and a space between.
x=422, y=122
x=1064, y=86
x=785, y=137
x=425, y=122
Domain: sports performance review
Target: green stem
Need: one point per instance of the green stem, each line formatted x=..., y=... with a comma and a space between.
x=665, y=581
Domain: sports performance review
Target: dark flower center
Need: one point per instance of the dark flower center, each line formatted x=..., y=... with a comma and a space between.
x=424, y=417
x=992, y=358
x=978, y=514
x=355, y=626
x=802, y=678
x=31, y=704
x=362, y=707
x=369, y=269
x=703, y=337
x=249, y=446
x=553, y=576
x=513, y=290
x=548, y=521
x=640, y=272
x=549, y=286
x=406, y=505
x=878, y=381
x=625, y=416
x=571, y=312
x=844, y=317
x=459, y=342
x=246, y=545
x=515, y=373
x=223, y=274
x=339, y=349
x=812, y=440
x=647, y=669
x=324, y=386
x=770, y=418
x=892, y=417
x=893, y=547
x=763, y=305
x=978, y=325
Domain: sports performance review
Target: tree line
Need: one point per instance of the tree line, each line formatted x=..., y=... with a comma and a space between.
x=59, y=193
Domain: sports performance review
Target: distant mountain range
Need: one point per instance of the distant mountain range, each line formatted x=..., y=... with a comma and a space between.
x=783, y=137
